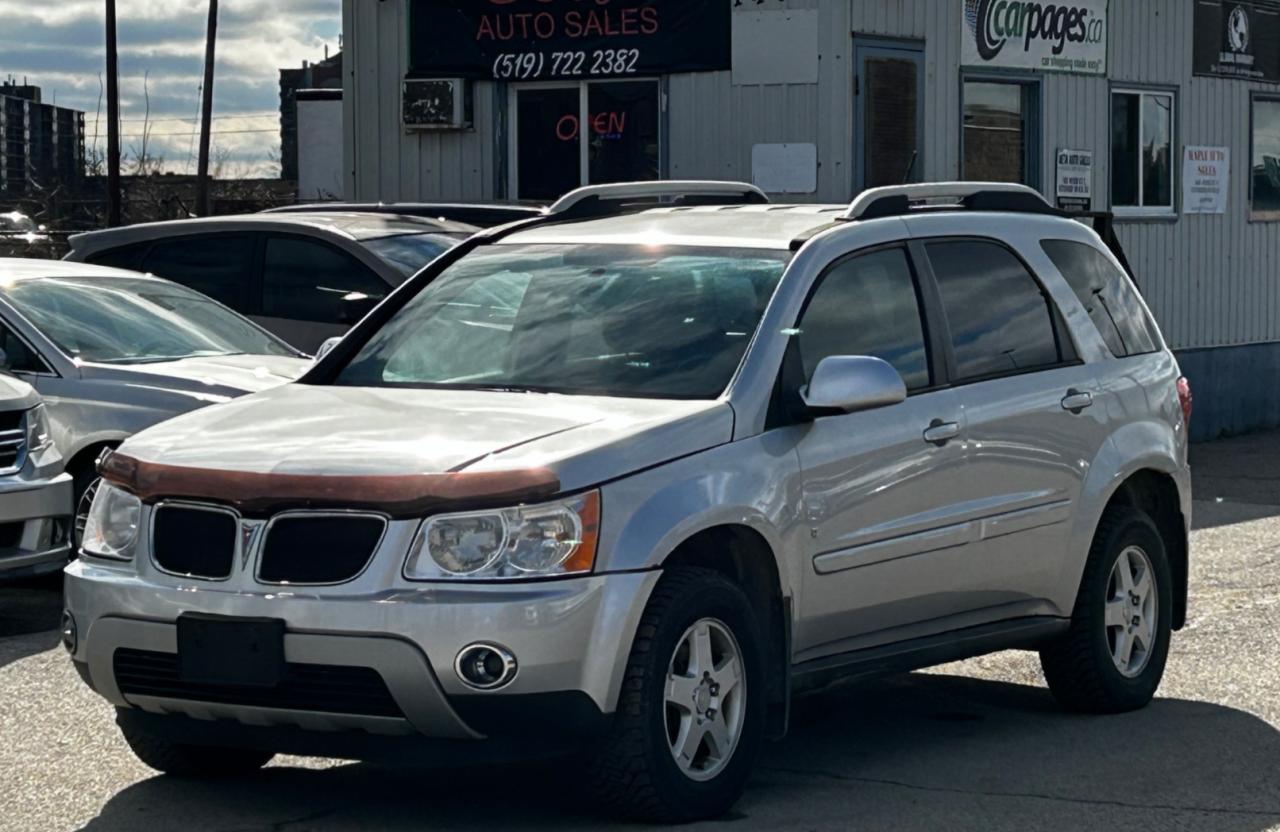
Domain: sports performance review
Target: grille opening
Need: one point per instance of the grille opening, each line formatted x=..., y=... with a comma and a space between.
x=197, y=542
x=358, y=691
x=11, y=534
x=318, y=549
x=13, y=439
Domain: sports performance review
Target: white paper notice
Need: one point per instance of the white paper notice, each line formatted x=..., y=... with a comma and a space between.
x=1205, y=173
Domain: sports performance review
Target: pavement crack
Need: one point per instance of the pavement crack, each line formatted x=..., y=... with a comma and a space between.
x=902, y=784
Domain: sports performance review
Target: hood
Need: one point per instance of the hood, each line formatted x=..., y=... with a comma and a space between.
x=354, y=431
x=16, y=394
x=216, y=378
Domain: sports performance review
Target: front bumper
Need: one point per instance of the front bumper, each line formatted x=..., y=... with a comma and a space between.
x=569, y=635
x=35, y=526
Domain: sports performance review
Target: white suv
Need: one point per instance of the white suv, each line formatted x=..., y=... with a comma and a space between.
x=627, y=476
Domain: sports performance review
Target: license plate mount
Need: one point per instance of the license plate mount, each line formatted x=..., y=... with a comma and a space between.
x=223, y=650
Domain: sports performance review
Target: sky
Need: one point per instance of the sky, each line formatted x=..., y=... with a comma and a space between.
x=58, y=46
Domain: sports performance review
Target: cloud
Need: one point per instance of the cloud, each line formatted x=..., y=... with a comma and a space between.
x=59, y=47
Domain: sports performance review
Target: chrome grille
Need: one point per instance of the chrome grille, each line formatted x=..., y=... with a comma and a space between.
x=194, y=541
x=13, y=440
x=317, y=548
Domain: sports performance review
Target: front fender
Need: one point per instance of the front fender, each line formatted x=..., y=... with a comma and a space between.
x=753, y=482
x=1148, y=445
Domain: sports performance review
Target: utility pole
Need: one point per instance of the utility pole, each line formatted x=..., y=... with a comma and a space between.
x=113, y=120
x=206, y=114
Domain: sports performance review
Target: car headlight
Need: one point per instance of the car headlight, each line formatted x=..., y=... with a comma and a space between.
x=111, y=530
x=525, y=542
x=38, y=436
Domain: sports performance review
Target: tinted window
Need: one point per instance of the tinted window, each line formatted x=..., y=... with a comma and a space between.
x=867, y=306
x=219, y=265
x=1106, y=294
x=621, y=320
x=308, y=280
x=124, y=257
x=18, y=356
x=1000, y=319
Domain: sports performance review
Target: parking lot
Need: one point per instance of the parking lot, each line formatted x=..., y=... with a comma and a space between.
x=977, y=745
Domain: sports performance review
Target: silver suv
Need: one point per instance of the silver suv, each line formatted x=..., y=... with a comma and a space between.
x=627, y=477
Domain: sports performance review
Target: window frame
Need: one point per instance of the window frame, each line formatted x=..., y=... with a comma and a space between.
x=1142, y=210
x=933, y=341
x=1254, y=97
x=1032, y=89
x=1068, y=350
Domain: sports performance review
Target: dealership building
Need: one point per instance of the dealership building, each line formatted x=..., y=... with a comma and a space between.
x=1165, y=113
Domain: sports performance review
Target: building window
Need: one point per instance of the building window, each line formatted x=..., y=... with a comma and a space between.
x=1142, y=164
x=586, y=133
x=1264, y=152
x=1001, y=131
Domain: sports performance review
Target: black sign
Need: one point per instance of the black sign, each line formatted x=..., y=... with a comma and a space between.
x=532, y=40
x=1238, y=39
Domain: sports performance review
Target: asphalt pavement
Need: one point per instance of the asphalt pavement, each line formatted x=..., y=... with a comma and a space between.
x=976, y=745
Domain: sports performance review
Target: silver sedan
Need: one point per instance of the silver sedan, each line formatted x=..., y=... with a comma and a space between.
x=114, y=351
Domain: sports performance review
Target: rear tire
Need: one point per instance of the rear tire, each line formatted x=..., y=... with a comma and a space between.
x=688, y=727
x=193, y=761
x=1112, y=658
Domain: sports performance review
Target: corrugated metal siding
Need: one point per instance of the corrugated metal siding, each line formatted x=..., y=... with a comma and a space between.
x=1208, y=278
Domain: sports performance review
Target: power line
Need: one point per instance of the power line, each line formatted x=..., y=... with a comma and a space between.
x=188, y=118
x=188, y=133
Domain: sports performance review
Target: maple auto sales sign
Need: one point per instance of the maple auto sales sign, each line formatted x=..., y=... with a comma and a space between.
x=545, y=40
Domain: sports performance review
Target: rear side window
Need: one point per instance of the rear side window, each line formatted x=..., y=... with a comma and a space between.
x=310, y=280
x=1001, y=320
x=122, y=257
x=1107, y=295
x=218, y=265
x=867, y=305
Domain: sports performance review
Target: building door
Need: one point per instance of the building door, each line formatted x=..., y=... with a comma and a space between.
x=888, y=113
x=591, y=132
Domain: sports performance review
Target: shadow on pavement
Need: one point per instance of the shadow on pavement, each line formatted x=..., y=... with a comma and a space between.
x=33, y=610
x=918, y=751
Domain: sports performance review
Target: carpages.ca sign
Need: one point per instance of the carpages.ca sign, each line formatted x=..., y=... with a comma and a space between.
x=1046, y=36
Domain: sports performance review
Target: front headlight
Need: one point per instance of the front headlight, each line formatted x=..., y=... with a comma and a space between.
x=111, y=530
x=38, y=436
x=526, y=542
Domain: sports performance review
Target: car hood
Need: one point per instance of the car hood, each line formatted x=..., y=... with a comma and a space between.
x=353, y=431
x=216, y=378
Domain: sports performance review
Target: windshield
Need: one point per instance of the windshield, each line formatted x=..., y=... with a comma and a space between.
x=643, y=321
x=410, y=252
x=134, y=321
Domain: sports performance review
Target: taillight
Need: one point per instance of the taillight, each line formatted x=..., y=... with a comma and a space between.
x=1184, y=398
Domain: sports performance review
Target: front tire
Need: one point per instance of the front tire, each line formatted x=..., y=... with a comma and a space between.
x=193, y=761
x=691, y=713
x=1112, y=658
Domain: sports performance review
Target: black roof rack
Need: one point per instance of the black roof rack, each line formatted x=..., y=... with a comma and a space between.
x=626, y=197
x=901, y=200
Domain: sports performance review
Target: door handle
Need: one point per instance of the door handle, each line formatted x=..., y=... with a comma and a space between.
x=940, y=433
x=1077, y=400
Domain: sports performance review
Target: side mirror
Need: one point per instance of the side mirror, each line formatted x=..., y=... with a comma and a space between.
x=851, y=383
x=327, y=346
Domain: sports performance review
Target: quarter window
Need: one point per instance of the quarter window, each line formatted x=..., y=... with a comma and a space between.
x=1000, y=319
x=1264, y=192
x=218, y=265
x=308, y=280
x=1106, y=294
x=867, y=305
x=18, y=357
x=1142, y=152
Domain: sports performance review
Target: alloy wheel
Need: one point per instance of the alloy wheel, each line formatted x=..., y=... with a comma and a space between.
x=705, y=699
x=1132, y=613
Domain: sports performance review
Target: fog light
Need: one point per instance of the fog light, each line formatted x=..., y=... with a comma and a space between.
x=485, y=666
x=69, y=637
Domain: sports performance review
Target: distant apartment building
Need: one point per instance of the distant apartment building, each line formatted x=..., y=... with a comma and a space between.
x=321, y=75
x=42, y=144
